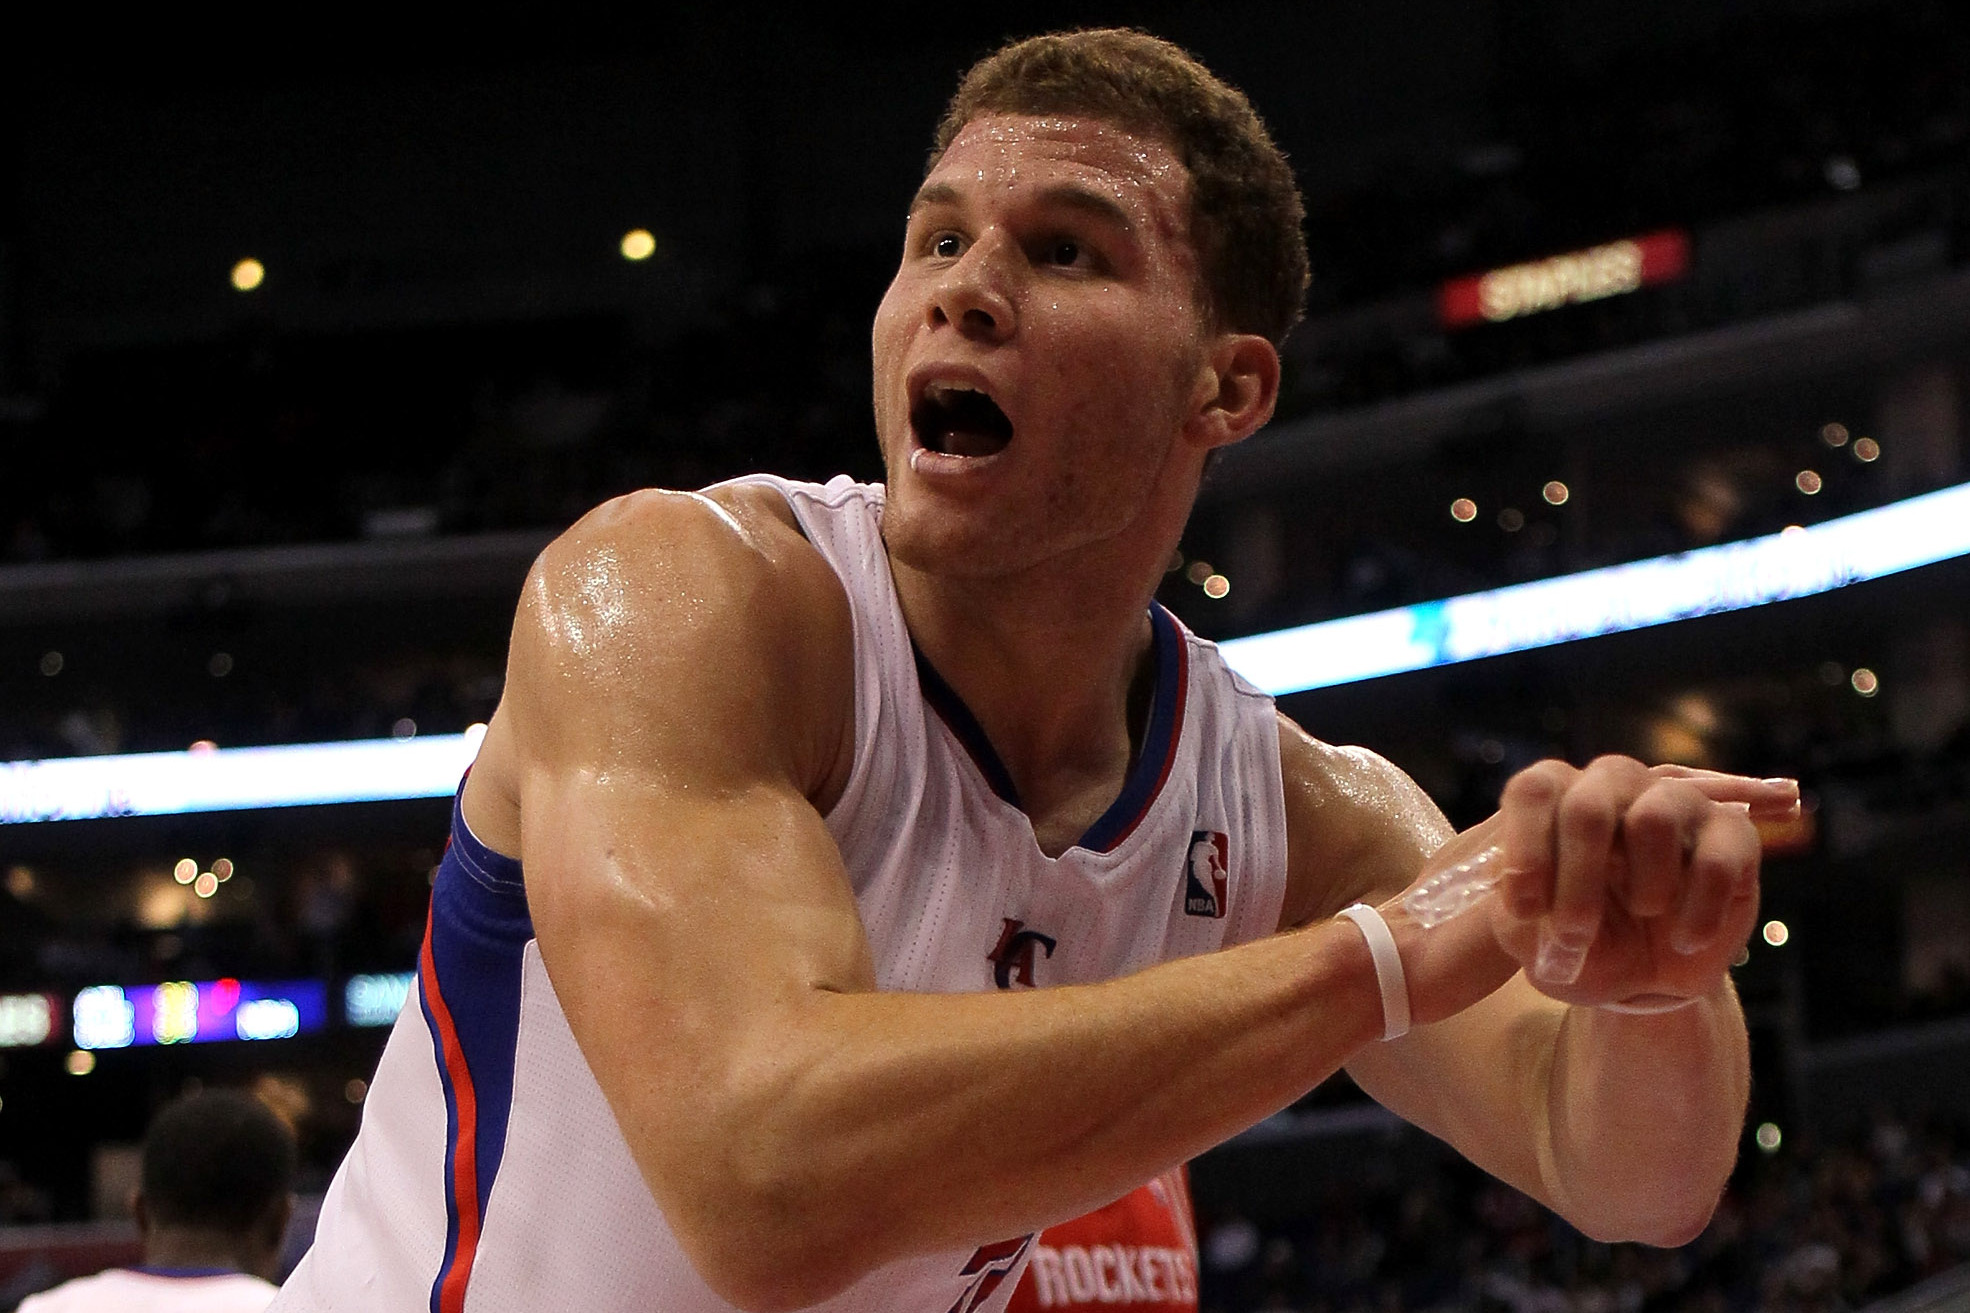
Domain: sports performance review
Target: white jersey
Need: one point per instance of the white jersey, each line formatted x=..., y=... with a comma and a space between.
x=156, y=1290
x=489, y=1175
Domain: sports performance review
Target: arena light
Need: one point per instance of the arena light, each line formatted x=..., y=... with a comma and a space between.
x=1733, y=576
x=235, y=779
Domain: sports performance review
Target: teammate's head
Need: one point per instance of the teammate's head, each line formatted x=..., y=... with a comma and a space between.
x=1245, y=208
x=218, y=1172
x=1096, y=271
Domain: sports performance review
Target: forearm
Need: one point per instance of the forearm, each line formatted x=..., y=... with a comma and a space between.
x=1643, y=1115
x=868, y=1126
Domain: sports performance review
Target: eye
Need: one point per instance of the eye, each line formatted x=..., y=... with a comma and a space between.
x=946, y=246
x=1064, y=252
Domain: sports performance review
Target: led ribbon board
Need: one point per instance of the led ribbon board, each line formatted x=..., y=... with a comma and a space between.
x=197, y=1012
x=1730, y=577
x=235, y=779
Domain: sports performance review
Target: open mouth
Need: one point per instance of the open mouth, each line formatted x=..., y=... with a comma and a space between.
x=956, y=420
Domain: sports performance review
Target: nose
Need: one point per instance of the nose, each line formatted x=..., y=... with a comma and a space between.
x=971, y=296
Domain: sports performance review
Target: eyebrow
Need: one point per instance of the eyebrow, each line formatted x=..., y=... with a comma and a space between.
x=1068, y=195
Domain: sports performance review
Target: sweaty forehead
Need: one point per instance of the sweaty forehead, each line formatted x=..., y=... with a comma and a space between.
x=1139, y=173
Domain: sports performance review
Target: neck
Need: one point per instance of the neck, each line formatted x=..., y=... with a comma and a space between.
x=189, y=1247
x=1045, y=659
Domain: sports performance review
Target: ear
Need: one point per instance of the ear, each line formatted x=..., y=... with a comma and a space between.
x=1237, y=387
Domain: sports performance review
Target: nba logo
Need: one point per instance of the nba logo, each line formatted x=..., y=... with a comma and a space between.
x=1204, y=874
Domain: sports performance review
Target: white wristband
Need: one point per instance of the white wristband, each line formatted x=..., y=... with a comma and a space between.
x=1388, y=968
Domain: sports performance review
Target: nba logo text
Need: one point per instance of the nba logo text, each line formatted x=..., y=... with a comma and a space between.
x=1206, y=872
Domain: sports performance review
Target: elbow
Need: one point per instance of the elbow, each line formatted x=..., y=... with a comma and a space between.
x=1668, y=1217
x=765, y=1274
x=767, y=1240
x=1674, y=1227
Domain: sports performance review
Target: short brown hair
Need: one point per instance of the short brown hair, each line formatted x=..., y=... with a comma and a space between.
x=1245, y=211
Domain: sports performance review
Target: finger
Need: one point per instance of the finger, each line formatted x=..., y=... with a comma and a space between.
x=1656, y=834
x=1770, y=799
x=1723, y=866
x=1527, y=810
x=1587, y=820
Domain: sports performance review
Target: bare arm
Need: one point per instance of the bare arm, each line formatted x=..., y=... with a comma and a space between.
x=674, y=709
x=1626, y=1125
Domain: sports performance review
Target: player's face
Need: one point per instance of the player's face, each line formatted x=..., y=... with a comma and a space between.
x=1040, y=346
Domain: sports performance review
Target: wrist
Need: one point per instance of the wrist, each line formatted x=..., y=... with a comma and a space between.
x=1391, y=981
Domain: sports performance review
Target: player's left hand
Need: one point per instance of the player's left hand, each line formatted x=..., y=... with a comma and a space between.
x=1627, y=885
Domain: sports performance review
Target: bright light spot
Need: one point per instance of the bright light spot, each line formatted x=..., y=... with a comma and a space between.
x=81, y=1062
x=1807, y=481
x=206, y=885
x=1776, y=933
x=223, y=868
x=220, y=665
x=267, y=1018
x=375, y=1000
x=1865, y=681
x=1216, y=586
x=104, y=1019
x=638, y=244
x=405, y=728
x=1834, y=434
x=203, y=745
x=1555, y=493
x=249, y=274
x=1867, y=449
x=1198, y=572
x=356, y=1090
x=51, y=664
x=1463, y=510
x=20, y=882
x=1793, y=529
x=174, y=1012
x=1842, y=173
x=1511, y=519
x=25, y=1020
x=1768, y=1137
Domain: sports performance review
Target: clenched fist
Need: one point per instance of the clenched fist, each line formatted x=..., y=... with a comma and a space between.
x=1628, y=886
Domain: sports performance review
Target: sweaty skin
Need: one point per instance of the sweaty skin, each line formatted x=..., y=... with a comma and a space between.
x=678, y=718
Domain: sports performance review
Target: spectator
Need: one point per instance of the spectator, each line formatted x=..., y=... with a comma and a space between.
x=216, y=1193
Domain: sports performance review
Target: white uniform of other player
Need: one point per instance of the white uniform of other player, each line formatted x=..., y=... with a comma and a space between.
x=155, y=1290
x=490, y=1176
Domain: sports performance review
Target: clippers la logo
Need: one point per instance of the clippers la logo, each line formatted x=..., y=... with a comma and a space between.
x=1206, y=872
x=1013, y=958
x=990, y=1265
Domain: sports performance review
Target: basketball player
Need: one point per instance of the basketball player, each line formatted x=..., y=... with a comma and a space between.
x=857, y=879
x=216, y=1193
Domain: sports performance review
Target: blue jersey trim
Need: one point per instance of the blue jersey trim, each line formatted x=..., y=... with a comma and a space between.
x=469, y=989
x=1151, y=766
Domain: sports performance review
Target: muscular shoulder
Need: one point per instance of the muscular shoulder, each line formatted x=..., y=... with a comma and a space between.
x=1357, y=827
x=673, y=625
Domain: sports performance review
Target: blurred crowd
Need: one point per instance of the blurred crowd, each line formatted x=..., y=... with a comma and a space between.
x=1802, y=1230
